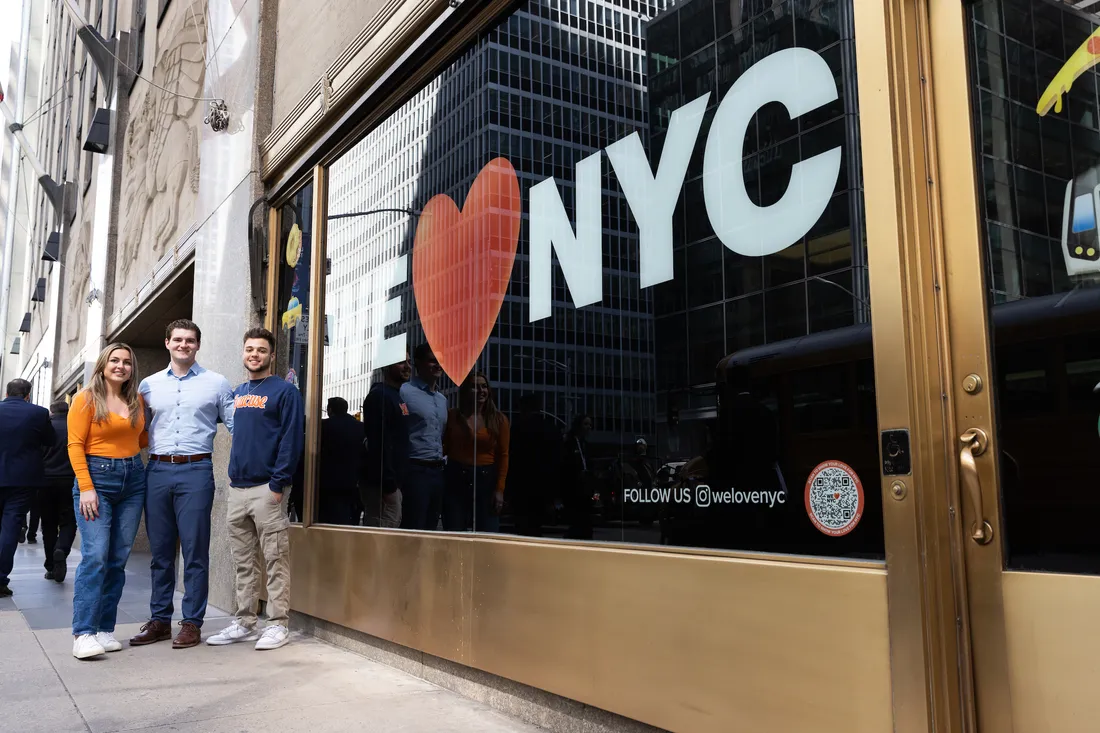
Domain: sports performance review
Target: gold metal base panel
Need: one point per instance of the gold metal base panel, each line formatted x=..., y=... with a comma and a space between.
x=683, y=642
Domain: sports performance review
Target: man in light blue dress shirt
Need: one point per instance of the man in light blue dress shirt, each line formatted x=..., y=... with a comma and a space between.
x=185, y=404
x=422, y=491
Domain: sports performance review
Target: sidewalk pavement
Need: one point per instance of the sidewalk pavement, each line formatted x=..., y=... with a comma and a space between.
x=306, y=686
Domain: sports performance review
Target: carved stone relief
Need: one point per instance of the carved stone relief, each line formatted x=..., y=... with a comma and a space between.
x=160, y=181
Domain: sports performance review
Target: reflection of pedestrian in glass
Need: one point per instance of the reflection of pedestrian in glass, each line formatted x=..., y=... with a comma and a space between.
x=533, y=465
x=575, y=479
x=745, y=457
x=750, y=438
x=476, y=444
x=672, y=443
x=341, y=449
x=422, y=491
x=386, y=423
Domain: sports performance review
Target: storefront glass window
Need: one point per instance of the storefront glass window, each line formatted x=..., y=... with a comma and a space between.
x=593, y=293
x=292, y=308
x=1036, y=120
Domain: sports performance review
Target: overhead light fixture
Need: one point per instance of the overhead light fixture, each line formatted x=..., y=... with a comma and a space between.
x=25, y=326
x=15, y=346
x=99, y=132
x=52, y=252
x=39, y=291
x=101, y=50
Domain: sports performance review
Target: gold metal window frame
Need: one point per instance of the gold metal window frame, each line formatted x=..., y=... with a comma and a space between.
x=695, y=639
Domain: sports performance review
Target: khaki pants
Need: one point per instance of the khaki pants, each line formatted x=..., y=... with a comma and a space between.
x=257, y=524
x=380, y=510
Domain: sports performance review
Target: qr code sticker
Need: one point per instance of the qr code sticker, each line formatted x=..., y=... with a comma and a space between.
x=834, y=500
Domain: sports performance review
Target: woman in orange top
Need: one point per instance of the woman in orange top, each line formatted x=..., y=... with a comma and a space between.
x=475, y=442
x=106, y=435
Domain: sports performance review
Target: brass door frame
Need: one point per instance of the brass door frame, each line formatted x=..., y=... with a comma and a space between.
x=964, y=310
x=916, y=601
x=931, y=687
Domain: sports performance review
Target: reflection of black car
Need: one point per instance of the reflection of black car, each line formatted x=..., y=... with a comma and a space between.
x=630, y=495
x=669, y=474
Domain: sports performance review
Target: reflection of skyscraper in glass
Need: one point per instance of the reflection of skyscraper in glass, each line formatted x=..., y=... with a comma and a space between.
x=546, y=88
x=725, y=302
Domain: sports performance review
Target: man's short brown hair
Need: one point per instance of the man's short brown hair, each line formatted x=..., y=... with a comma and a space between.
x=185, y=325
x=260, y=333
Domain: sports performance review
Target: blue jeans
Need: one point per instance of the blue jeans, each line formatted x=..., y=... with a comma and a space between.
x=421, y=497
x=468, y=501
x=13, y=506
x=178, y=502
x=105, y=541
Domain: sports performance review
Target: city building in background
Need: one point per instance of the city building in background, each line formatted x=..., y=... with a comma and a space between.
x=517, y=94
x=725, y=302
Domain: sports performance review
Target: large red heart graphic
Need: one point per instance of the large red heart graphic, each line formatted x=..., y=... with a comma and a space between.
x=462, y=262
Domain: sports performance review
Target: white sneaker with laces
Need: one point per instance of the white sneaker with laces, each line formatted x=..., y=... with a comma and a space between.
x=86, y=646
x=108, y=641
x=232, y=634
x=273, y=637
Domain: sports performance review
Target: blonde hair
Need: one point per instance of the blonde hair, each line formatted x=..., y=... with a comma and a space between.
x=97, y=387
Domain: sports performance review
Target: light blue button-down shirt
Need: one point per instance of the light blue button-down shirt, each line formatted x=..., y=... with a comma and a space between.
x=186, y=410
x=427, y=418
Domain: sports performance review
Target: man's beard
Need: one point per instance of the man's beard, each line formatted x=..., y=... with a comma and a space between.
x=262, y=368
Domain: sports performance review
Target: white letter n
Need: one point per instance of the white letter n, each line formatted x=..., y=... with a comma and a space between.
x=578, y=254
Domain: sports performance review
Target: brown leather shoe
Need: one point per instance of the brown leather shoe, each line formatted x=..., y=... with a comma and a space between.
x=152, y=632
x=188, y=636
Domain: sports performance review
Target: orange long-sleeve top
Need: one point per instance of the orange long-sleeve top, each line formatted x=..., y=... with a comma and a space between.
x=115, y=437
x=477, y=450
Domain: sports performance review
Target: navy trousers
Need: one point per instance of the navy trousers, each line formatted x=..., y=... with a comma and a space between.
x=178, y=502
x=13, y=508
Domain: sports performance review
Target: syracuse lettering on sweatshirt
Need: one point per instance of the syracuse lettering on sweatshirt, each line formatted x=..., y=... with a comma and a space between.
x=270, y=434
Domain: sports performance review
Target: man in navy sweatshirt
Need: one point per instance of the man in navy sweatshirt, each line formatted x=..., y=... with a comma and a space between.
x=268, y=434
x=386, y=424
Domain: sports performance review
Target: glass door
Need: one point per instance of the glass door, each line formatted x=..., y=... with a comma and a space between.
x=1023, y=323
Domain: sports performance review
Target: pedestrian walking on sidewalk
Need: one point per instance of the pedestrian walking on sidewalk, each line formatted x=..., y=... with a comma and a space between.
x=27, y=431
x=56, y=497
x=186, y=403
x=268, y=437
x=106, y=434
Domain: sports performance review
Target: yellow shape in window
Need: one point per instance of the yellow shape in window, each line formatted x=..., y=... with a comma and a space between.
x=294, y=246
x=293, y=314
x=1083, y=59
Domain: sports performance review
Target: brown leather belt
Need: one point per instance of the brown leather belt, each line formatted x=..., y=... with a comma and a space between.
x=179, y=459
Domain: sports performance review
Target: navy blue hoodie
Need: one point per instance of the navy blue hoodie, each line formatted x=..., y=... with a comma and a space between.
x=385, y=422
x=268, y=433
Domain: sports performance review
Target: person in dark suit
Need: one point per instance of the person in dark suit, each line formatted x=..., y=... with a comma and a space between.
x=533, y=465
x=55, y=498
x=341, y=449
x=27, y=431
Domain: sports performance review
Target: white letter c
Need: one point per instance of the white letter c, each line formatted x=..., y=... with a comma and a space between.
x=800, y=80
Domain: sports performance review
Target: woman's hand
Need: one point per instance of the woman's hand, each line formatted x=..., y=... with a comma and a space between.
x=89, y=505
x=498, y=502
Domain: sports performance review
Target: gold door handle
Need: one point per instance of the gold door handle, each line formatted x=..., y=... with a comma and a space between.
x=974, y=443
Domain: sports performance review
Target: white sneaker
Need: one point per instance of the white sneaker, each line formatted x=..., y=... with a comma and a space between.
x=86, y=646
x=232, y=634
x=273, y=637
x=108, y=641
